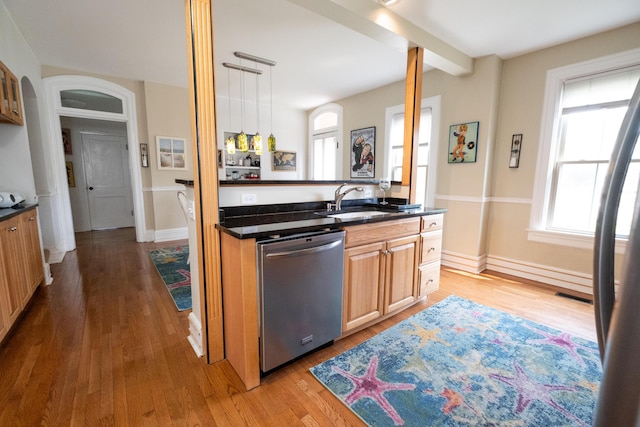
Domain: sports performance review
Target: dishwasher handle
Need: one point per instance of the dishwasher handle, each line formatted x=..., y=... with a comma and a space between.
x=307, y=251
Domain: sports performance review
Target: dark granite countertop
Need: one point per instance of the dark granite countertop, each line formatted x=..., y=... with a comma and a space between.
x=6, y=213
x=269, y=221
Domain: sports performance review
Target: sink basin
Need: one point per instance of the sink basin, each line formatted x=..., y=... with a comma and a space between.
x=358, y=214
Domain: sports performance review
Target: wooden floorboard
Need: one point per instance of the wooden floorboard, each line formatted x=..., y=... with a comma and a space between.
x=105, y=345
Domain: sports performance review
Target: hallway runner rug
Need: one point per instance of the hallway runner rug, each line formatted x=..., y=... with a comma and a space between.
x=172, y=264
x=459, y=363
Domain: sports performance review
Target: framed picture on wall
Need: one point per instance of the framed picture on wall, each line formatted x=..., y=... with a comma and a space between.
x=171, y=152
x=363, y=143
x=463, y=142
x=284, y=160
x=66, y=141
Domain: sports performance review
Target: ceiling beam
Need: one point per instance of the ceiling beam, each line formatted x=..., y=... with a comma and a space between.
x=371, y=19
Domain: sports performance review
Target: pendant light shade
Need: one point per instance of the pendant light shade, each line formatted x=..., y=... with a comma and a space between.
x=231, y=145
x=243, y=144
x=256, y=141
x=271, y=142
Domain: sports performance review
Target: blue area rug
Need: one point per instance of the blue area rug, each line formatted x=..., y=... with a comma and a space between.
x=459, y=363
x=172, y=264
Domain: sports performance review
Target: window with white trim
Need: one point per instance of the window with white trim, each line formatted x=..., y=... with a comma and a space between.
x=429, y=114
x=325, y=125
x=588, y=104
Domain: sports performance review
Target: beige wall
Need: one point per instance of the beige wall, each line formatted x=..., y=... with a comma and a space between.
x=520, y=111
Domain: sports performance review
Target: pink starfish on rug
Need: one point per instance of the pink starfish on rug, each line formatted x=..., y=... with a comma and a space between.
x=370, y=386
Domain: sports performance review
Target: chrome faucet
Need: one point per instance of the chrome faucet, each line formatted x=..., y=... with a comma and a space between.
x=339, y=196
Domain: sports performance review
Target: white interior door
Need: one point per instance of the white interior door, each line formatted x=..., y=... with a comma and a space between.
x=106, y=168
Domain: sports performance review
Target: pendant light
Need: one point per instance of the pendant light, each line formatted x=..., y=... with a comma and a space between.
x=271, y=141
x=256, y=140
x=230, y=142
x=243, y=145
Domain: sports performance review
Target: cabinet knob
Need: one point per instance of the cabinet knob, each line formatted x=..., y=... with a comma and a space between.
x=12, y=229
x=31, y=219
x=91, y=188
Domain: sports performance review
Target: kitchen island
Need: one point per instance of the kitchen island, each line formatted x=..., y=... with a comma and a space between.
x=391, y=261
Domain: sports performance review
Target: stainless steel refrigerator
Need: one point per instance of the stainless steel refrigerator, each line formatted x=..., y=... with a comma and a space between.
x=618, y=324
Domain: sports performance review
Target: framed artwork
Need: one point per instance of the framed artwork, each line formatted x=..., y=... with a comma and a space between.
x=463, y=142
x=363, y=143
x=71, y=179
x=171, y=152
x=284, y=161
x=516, y=147
x=66, y=141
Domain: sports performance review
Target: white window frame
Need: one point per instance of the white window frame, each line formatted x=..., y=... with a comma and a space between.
x=338, y=130
x=432, y=102
x=537, y=231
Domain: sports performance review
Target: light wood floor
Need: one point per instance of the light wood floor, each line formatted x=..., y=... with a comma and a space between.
x=104, y=345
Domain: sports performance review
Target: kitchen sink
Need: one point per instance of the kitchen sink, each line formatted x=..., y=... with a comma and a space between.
x=358, y=214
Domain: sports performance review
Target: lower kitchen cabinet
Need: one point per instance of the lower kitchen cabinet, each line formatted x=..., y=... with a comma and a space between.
x=430, y=254
x=379, y=278
x=21, y=256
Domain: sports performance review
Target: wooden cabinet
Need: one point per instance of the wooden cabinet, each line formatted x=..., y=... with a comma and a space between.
x=430, y=254
x=379, y=277
x=10, y=103
x=22, y=271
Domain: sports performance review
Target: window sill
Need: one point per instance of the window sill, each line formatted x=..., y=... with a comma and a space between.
x=569, y=239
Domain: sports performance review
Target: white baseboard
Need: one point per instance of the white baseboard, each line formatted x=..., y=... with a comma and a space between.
x=464, y=262
x=171, y=234
x=566, y=279
x=195, y=338
x=48, y=279
x=56, y=256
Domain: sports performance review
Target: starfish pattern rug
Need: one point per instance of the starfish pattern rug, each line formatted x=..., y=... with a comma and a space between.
x=173, y=266
x=459, y=363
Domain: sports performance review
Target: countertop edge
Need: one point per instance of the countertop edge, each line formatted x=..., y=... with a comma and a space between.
x=11, y=212
x=252, y=231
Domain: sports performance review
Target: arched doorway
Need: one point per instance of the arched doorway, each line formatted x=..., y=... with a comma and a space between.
x=55, y=89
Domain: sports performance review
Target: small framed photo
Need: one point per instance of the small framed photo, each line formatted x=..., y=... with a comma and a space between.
x=66, y=141
x=363, y=144
x=284, y=161
x=463, y=142
x=71, y=179
x=171, y=152
x=516, y=147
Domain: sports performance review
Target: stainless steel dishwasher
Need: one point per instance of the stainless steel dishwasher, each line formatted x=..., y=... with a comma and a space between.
x=300, y=289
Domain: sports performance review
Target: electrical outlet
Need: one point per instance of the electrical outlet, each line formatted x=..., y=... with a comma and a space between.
x=367, y=193
x=249, y=199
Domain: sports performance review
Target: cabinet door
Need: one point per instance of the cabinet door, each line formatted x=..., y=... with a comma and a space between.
x=34, y=271
x=10, y=105
x=363, y=285
x=428, y=278
x=5, y=320
x=401, y=261
x=431, y=247
x=12, y=249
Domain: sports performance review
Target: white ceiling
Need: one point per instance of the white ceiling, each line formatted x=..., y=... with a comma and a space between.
x=318, y=60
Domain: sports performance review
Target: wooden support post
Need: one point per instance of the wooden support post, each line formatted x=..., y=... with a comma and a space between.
x=413, y=98
x=203, y=129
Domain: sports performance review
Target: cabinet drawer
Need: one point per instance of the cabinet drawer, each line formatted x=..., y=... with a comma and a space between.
x=428, y=278
x=432, y=222
x=380, y=231
x=431, y=247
